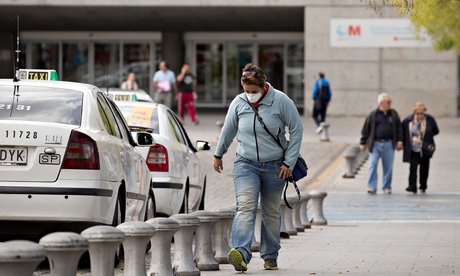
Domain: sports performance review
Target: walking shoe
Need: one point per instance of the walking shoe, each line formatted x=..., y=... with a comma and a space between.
x=371, y=191
x=387, y=191
x=319, y=129
x=411, y=190
x=270, y=264
x=235, y=258
x=196, y=123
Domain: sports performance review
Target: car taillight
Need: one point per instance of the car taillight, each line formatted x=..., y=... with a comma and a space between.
x=157, y=159
x=81, y=153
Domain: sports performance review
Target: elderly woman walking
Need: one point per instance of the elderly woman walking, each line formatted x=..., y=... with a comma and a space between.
x=418, y=127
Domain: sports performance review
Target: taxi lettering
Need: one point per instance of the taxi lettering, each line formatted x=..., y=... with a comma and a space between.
x=38, y=75
x=123, y=98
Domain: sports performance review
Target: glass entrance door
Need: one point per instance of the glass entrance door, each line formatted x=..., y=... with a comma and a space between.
x=238, y=55
x=271, y=60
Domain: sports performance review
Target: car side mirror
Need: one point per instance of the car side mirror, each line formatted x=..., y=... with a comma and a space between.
x=144, y=139
x=203, y=145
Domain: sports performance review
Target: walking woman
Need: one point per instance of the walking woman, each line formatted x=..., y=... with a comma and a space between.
x=418, y=127
x=260, y=166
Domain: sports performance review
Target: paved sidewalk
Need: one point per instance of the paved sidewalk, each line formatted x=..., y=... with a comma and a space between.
x=397, y=234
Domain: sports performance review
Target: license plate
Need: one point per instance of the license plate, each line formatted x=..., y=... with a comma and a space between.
x=13, y=156
x=49, y=159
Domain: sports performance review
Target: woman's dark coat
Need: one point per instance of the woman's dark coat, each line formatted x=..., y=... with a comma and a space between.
x=430, y=131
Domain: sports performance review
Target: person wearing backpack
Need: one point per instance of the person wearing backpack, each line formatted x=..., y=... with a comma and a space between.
x=321, y=97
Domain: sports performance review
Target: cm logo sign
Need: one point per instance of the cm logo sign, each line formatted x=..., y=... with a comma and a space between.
x=350, y=30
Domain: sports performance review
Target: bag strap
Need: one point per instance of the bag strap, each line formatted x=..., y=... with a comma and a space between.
x=264, y=126
x=279, y=144
x=284, y=194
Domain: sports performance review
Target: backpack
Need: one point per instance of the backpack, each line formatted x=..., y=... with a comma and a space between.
x=322, y=97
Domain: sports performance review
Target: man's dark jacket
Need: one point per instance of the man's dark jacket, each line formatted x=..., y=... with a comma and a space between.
x=368, y=131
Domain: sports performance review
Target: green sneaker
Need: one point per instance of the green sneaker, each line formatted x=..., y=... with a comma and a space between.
x=270, y=264
x=235, y=258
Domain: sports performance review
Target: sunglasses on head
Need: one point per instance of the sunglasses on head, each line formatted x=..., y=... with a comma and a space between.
x=251, y=73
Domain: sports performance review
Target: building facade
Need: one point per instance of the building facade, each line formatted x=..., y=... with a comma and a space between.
x=101, y=42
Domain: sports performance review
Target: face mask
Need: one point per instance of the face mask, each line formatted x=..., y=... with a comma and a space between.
x=253, y=97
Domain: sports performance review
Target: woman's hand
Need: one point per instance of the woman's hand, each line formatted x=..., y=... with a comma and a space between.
x=218, y=165
x=285, y=172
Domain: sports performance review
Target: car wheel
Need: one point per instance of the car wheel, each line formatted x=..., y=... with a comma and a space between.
x=150, y=211
x=201, y=207
x=118, y=219
x=184, y=207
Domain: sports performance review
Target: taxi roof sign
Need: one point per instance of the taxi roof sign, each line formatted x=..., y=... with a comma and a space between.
x=37, y=74
x=123, y=96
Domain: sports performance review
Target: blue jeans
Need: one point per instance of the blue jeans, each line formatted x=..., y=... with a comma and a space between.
x=251, y=179
x=384, y=150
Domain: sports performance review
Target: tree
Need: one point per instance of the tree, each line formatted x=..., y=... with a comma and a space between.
x=440, y=19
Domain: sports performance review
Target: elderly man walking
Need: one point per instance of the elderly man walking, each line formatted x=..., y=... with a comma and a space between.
x=381, y=134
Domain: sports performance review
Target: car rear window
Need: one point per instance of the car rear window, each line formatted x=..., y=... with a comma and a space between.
x=139, y=115
x=41, y=104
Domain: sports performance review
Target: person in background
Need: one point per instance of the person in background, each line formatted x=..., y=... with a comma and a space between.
x=417, y=127
x=381, y=134
x=321, y=97
x=164, y=82
x=130, y=83
x=187, y=93
x=261, y=166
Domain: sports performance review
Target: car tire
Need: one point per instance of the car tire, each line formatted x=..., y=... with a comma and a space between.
x=118, y=219
x=150, y=210
x=201, y=207
x=150, y=213
x=184, y=207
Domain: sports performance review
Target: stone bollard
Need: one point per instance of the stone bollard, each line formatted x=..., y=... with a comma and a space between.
x=160, y=262
x=317, y=198
x=137, y=236
x=204, y=257
x=220, y=236
x=301, y=214
x=324, y=133
x=64, y=250
x=289, y=218
x=20, y=258
x=255, y=246
x=283, y=231
x=351, y=159
x=103, y=244
x=184, y=263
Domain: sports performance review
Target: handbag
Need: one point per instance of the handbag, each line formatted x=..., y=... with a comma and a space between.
x=300, y=169
x=428, y=149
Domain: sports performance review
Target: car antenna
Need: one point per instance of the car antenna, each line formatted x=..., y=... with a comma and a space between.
x=15, y=67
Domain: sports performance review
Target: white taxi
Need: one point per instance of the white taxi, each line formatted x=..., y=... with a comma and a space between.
x=67, y=160
x=179, y=182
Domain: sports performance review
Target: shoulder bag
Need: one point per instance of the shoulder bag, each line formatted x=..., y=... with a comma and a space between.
x=300, y=169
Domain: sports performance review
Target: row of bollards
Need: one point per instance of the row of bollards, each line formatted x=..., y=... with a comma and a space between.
x=354, y=160
x=201, y=243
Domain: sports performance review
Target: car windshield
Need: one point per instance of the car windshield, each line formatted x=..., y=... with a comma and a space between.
x=139, y=115
x=41, y=104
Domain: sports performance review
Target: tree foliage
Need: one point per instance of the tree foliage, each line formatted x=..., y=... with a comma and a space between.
x=440, y=19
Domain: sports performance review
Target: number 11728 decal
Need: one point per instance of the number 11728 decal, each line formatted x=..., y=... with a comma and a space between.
x=21, y=134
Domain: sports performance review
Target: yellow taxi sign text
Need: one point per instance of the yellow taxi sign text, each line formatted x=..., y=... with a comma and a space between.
x=123, y=97
x=37, y=74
